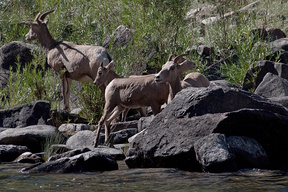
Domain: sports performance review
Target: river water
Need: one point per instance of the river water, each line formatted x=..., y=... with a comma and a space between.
x=160, y=179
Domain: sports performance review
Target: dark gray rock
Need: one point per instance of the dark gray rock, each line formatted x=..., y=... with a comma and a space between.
x=214, y=154
x=11, y=152
x=279, y=44
x=85, y=162
x=122, y=36
x=281, y=100
x=33, y=137
x=169, y=140
x=35, y=113
x=70, y=153
x=10, y=54
x=81, y=139
x=275, y=33
x=248, y=152
x=272, y=86
x=205, y=50
x=122, y=136
x=254, y=75
x=144, y=122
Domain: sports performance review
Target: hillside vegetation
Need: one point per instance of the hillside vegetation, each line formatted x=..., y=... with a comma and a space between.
x=159, y=28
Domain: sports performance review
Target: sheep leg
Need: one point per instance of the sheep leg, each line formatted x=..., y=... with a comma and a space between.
x=115, y=113
x=156, y=109
x=142, y=111
x=66, y=84
x=124, y=114
x=108, y=109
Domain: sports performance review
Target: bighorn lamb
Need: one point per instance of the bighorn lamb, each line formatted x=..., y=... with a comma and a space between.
x=194, y=79
x=75, y=62
x=171, y=72
x=105, y=75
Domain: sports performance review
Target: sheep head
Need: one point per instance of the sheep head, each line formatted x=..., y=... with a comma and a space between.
x=102, y=73
x=38, y=27
x=173, y=68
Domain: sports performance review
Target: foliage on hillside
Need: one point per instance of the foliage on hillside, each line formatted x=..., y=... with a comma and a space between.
x=159, y=28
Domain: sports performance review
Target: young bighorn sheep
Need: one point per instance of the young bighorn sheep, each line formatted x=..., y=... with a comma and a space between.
x=171, y=72
x=133, y=92
x=105, y=75
x=194, y=79
x=75, y=62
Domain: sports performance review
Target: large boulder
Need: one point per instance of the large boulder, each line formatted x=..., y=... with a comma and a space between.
x=170, y=138
x=10, y=54
x=11, y=152
x=272, y=86
x=35, y=113
x=34, y=137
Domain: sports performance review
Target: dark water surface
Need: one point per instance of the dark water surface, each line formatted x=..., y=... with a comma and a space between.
x=142, y=180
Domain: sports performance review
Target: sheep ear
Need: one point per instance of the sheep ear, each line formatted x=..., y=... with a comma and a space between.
x=110, y=66
x=170, y=58
x=179, y=58
x=46, y=21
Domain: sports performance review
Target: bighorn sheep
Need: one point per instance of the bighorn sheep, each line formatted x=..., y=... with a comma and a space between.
x=105, y=75
x=194, y=79
x=76, y=62
x=171, y=72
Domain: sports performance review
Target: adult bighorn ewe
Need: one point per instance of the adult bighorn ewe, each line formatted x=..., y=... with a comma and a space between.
x=75, y=62
x=135, y=92
x=171, y=72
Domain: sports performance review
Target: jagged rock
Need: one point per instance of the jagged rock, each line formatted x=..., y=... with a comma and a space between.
x=11, y=152
x=88, y=161
x=218, y=153
x=254, y=75
x=35, y=113
x=33, y=137
x=170, y=138
x=29, y=157
x=272, y=86
x=144, y=122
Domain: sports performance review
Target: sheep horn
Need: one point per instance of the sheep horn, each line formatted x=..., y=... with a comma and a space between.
x=42, y=17
x=176, y=59
x=37, y=17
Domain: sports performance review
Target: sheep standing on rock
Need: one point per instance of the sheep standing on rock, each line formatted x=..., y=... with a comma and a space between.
x=171, y=72
x=76, y=62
